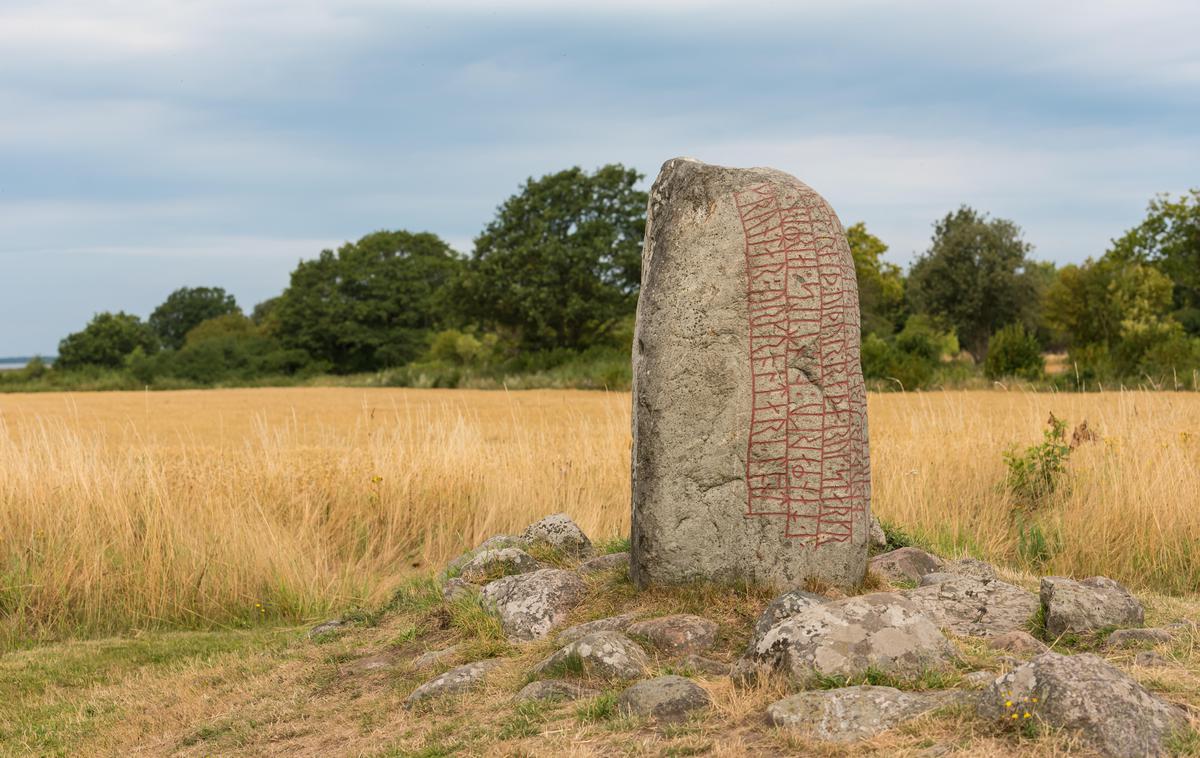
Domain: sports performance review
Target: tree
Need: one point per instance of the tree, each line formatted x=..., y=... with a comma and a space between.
x=560, y=265
x=1014, y=352
x=880, y=284
x=1169, y=240
x=185, y=308
x=371, y=304
x=975, y=277
x=106, y=341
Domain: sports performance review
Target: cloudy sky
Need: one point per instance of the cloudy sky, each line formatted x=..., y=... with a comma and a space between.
x=151, y=144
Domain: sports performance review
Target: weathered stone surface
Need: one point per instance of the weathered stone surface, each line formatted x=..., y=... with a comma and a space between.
x=707, y=666
x=325, y=627
x=878, y=538
x=679, y=634
x=1021, y=643
x=610, y=655
x=496, y=542
x=610, y=562
x=1151, y=659
x=785, y=606
x=453, y=682
x=1109, y=710
x=936, y=577
x=666, y=698
x=561, y=533
x=455, y=588
x=972, y=567
x=487, y=565
x=374, y=662
x=530, y=605
x=1085, y=606
x=1139, y=636
x=854, y=713
x=980, y=678
x=750, y=432
x=974, y=607
x=907, y=564
x=610, y=624
x=554, y=689
x=884, y=631
x=433, y=658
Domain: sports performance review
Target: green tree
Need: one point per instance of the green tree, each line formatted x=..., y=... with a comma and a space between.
x=1077, y=306
x=560, y=265
x=1014, y=352
x=880, y=284
x=106, y=341
x=1169, y=240
x=185, y=308
x=975, y=277
x=371, y=304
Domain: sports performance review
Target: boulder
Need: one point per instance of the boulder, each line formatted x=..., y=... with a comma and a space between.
x=974, y=607
x=666, y=698
x=487, y=565
x=453, y=682
x=783, y=607
x=374, y=662
x=936, y=577
x=497, y=542
x=707, y=666
x=883, y=631
x=560, y=532
x=850, y=714
x=610, y=562
x=530, y=605
x=750, y=458
x=610, y=624
x=1139, y=636
x=1086, y=606
x=433, y=658
x=1019, y=642
x=325, y=627
x=972, y=567
x=906, y=564
x=980, y=678
x=609, y=655
x=1150, y=659
x=878, y=538
x=552, y=690
x=456, y=588
x=1110, y=711
x=680, y=634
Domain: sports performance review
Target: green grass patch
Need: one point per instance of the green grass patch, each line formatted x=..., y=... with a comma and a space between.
x=614, y=545
x=927, y=679
x=599, y=709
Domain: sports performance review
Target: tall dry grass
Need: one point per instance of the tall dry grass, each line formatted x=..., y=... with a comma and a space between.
x=207, y=508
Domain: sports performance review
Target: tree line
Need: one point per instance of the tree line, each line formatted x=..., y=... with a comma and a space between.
x=552, y=281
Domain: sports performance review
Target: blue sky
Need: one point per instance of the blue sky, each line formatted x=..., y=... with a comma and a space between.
x=147, y=145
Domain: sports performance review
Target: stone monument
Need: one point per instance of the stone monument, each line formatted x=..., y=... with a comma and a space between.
x=750, y=458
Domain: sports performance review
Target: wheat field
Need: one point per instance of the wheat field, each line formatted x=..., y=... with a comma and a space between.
x=223, y=508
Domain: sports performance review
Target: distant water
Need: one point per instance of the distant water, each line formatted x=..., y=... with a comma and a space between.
x=9, y=364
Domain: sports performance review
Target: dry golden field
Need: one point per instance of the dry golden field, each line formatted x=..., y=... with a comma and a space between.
x=226, y=507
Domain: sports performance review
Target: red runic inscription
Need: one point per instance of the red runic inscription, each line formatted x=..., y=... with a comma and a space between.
x=806, y=456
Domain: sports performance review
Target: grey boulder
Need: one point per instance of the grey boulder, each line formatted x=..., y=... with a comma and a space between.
x=1019, y=642
x=849, y=714
x=561, y=533
x=530, y=605
x=783, y=607
x=453, y=682
x=496, y=542
x=552, y=690
x=1139, y=636
x=877, y=537
x=666, y=698
x=680, y=634
x=487, y=565
x=433, y=658
x=1110, y=711
x=907, y=564
x=608, y=655
x=457, y=588
x=1086, y=606
x=883, y=631
x=974, y=607
x=325, y=627
x=609, y=562
x=609, y=624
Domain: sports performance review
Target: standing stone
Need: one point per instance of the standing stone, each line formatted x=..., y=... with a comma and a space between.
x=750, y=453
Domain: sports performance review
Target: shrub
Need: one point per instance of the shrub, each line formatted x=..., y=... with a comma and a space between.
x=1014, y=352
x=1035, y=473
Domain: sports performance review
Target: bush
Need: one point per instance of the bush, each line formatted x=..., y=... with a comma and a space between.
x=1034, y=474
x=1014, y=352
